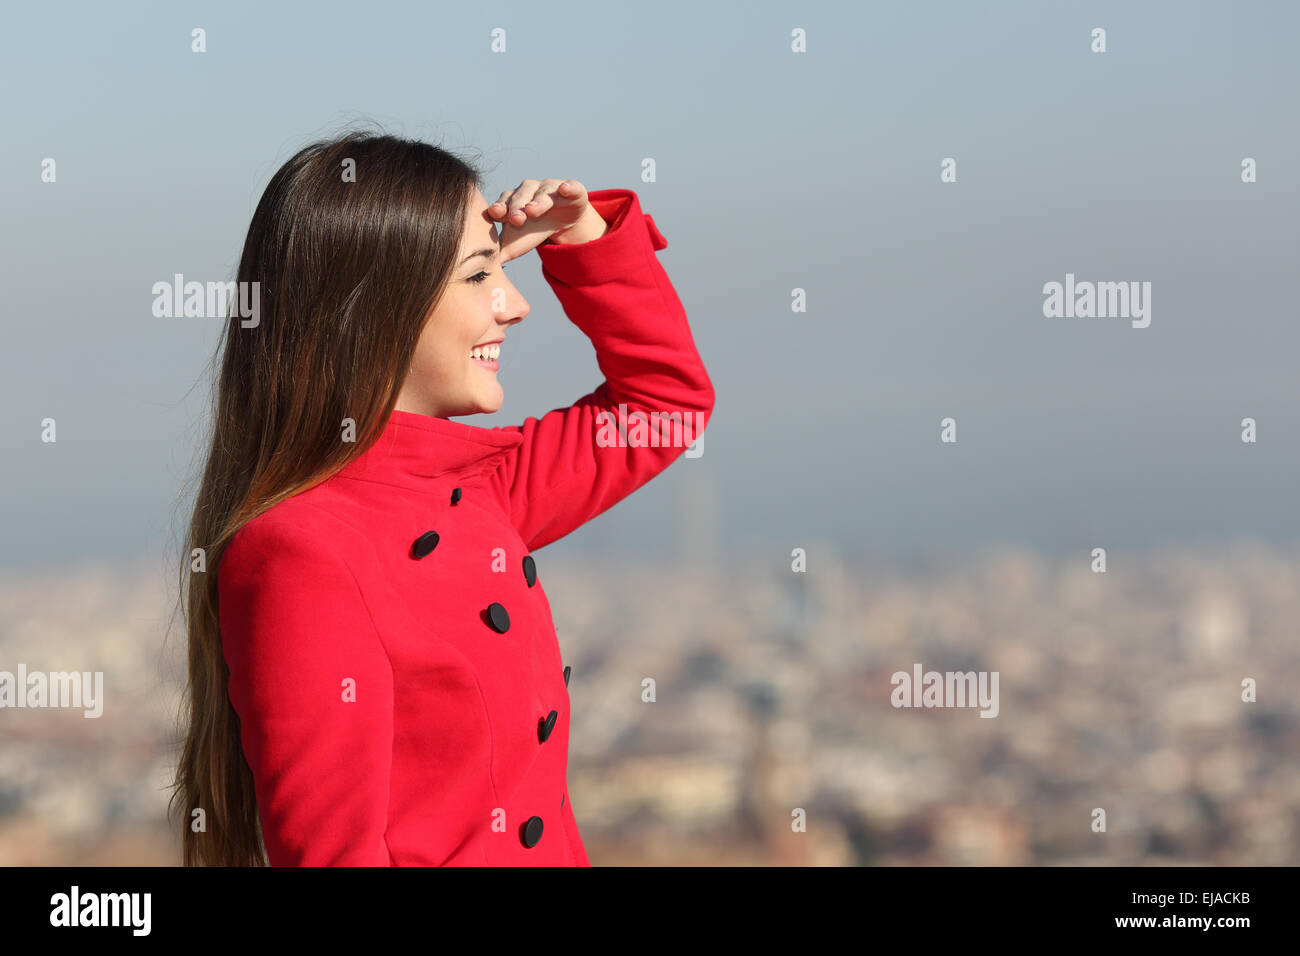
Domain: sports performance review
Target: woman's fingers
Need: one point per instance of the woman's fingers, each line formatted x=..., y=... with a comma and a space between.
x=533, y=198
x=522, y=195
x=541, y=202
x=535, y=210
x=497, y=209
x=566, y=190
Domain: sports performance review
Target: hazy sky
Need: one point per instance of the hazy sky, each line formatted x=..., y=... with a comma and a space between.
x=775, y=171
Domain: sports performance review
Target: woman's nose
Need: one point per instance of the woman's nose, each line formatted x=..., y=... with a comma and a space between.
x=519, y=305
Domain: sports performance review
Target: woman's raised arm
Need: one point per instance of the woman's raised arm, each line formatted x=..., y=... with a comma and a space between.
x=576, y=462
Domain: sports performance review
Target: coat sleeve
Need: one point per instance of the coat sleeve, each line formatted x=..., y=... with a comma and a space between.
x=567, y=470
x=313, y=689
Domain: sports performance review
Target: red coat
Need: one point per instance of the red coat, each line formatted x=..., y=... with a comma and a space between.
x=402, y=700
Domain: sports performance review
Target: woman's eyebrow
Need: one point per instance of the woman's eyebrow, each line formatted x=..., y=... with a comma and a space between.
x=487, y=252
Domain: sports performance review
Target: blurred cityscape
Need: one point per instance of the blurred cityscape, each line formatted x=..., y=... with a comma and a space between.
x=772, y=700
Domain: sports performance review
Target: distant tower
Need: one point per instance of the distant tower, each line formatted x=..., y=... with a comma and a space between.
x=765, y=812
x=698, y=516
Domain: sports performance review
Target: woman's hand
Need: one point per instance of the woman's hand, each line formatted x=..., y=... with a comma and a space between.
x=536, y=211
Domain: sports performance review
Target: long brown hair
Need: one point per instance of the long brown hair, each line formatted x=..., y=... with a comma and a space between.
x=351, y=246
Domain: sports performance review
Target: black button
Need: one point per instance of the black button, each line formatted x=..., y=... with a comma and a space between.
x=424, y=544
x=566, y=675
x=531, y=832
x=455, y=495
x=498, y=618
x=530, y=570
x=545, y=726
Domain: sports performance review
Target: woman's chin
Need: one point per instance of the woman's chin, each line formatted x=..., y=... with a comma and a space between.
x=490, y=402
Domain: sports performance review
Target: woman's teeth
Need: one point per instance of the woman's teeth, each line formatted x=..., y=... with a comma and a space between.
x=485, y=353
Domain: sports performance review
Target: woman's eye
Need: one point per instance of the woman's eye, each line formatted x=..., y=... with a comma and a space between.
x=479, y=277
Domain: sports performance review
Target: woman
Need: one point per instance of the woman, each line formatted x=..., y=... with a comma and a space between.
x=374, y=674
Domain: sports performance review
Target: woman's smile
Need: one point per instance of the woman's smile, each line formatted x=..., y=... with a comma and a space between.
x=486, y=356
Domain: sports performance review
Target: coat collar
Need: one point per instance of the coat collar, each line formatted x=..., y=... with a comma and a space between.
x=414, y=448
